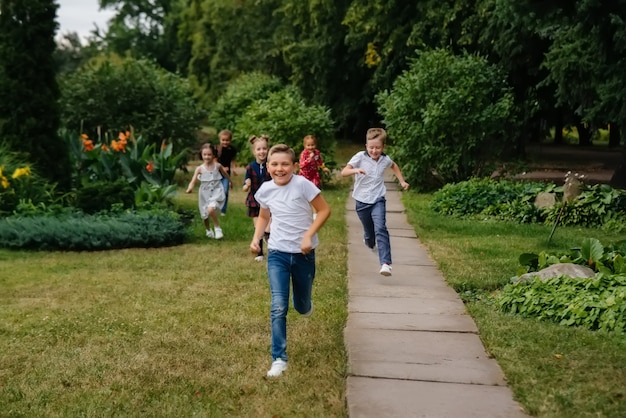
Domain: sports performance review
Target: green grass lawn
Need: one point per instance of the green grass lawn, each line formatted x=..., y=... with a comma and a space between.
x=181, y=331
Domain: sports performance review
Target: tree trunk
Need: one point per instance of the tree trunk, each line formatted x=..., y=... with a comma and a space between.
x=558, y=128
x=618, y=181
x=584, y=134
x=614, y=135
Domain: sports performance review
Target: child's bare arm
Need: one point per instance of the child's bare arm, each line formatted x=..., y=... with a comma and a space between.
x=348, y=170
x=193, y=180
x=398, y=174
x=259, y=229
x=225, y=174
x=323, y=212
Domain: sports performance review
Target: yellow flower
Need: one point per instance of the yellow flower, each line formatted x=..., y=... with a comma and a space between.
x=19, y=172
x=3, y=180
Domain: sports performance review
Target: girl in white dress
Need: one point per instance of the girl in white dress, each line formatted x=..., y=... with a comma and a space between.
x=211, y=195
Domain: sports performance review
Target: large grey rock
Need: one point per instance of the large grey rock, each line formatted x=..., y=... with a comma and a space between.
x=545, y=200
x=572, y=270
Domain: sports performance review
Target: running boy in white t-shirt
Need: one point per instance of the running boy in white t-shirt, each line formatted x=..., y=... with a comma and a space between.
x=291, y=246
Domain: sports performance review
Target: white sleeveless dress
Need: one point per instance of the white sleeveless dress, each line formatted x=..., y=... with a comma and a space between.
x=211, y=192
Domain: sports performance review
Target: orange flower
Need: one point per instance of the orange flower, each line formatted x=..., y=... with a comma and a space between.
x=163, y=145
x=118, y=146
x=122, y=136
x=104, y=148
x=84, y=136
x=150, y=167
x=87, y=145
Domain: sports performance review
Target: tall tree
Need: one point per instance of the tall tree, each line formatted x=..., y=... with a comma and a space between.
x=29, y=110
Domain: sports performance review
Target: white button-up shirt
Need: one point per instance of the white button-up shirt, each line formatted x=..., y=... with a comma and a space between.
x=369, y=187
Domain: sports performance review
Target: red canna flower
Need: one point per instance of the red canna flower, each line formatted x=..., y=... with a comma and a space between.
x=150, y=167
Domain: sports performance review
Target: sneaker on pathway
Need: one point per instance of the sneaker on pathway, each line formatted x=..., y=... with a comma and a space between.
x=308, y=314
x=278, y=367
x=222, y=214
x=258, y=258
x=385, y=270
x=218, y=233
x=210, y=234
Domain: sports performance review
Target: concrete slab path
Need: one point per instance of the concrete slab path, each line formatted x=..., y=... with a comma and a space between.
x=413, y=350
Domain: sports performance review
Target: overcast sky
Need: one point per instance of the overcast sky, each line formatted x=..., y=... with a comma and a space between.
x=81, y=16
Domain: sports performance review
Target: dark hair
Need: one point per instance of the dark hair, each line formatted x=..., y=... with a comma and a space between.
x=284, y=149
x=209, y=146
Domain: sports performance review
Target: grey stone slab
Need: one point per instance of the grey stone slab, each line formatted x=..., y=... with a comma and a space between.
x=408, y=305
x=377, y=398
x=412, y=322
x=417, y=355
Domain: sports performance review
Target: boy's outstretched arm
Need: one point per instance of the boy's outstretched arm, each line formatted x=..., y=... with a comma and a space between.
x=398, y=174
x=323, y=212
x=259, y=229
x=348, y=170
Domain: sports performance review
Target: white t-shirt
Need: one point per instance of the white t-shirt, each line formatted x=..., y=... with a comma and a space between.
x=369, y=187
x=291, y=212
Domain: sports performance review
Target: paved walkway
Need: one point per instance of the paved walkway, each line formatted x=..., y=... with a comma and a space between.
x=413, y=351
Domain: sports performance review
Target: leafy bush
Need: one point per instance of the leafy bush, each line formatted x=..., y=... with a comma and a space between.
x=486, y=197
x=98, y=196
x=241, y=93
x=113, y=94
x=449, y=116
x=287, y=119
x=80, y=232
x=597, y=206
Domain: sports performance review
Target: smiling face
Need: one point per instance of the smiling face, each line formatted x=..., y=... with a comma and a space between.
x=259, y=149
x=310, y=144
x=225, y=139
x=281, y=167
x=374, y=148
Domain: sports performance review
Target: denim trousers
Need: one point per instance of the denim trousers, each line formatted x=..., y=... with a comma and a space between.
x=226, y=186
x=373, y=217
x=284, y=269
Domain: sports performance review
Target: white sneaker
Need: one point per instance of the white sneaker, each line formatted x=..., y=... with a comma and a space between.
x=258, y=258
x=210, y=234
x=278, y=367
x=222, y=214
x=308, y=314
x=385, y=270
x=218, y=233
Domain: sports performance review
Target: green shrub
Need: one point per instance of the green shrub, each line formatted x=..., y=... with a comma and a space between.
x=98, y=196
x=597, y=303
x=241, y=93
x=286, y=118
x=448, y=117
x=80, y=232
x=109, y=96
x=487, y=197
x=597, y=206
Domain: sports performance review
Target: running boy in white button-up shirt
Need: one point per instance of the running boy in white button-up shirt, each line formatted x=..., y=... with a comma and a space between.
x=368, y=168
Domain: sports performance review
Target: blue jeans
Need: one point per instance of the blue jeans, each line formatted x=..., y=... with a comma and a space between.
x=226, y=186
x=374, y=220
x=283, y=268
